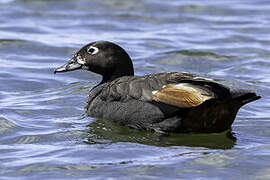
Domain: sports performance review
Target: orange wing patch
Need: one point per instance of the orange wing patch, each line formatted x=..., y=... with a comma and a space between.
x=183, y=95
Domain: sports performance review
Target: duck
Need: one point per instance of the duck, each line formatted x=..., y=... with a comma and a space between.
x=167, y=102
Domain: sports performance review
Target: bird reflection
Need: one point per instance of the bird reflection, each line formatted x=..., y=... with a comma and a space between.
x=104, y=131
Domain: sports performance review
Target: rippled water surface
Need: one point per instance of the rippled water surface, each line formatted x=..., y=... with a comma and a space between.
x=44, y=132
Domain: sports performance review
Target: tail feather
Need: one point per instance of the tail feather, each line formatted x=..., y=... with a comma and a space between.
x=216, y=116
x=242, y=97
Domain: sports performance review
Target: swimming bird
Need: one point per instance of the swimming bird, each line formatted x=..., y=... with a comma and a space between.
x=165, y=102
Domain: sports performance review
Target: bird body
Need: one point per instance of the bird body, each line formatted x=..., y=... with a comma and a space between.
x=164, y=102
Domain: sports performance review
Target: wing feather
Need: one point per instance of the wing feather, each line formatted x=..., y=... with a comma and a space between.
x=183, y=95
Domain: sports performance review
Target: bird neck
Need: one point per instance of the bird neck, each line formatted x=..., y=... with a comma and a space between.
x=122, y=67
x=117, y=73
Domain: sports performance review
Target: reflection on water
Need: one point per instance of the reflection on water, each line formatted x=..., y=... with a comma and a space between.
x=44, y=131
x=104, y=131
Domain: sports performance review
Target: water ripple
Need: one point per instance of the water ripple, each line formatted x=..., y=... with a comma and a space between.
x=44, y=131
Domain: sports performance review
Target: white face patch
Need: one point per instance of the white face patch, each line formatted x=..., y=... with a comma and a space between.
x=92, y=50
x=80, y=60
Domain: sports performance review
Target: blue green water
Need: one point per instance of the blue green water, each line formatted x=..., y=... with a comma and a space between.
x=44, y=133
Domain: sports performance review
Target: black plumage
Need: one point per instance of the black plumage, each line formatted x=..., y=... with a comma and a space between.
x=165, y=102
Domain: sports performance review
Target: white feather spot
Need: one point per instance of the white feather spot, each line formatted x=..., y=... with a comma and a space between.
x=185, y=86
x=154, y=92
x=203, y=78
x=80, y=60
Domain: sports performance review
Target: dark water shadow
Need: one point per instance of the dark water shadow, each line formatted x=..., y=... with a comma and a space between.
x=200, y=53
x=104, y=131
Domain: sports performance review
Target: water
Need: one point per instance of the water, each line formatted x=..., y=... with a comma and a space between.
x=44, y=132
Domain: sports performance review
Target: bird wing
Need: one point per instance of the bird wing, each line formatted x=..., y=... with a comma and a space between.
x=178, y=89
x=183, y=95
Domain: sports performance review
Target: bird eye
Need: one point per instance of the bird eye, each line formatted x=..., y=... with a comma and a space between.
x=92, y=50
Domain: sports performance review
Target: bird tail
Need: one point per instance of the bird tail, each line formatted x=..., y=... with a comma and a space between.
x=242, y=97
